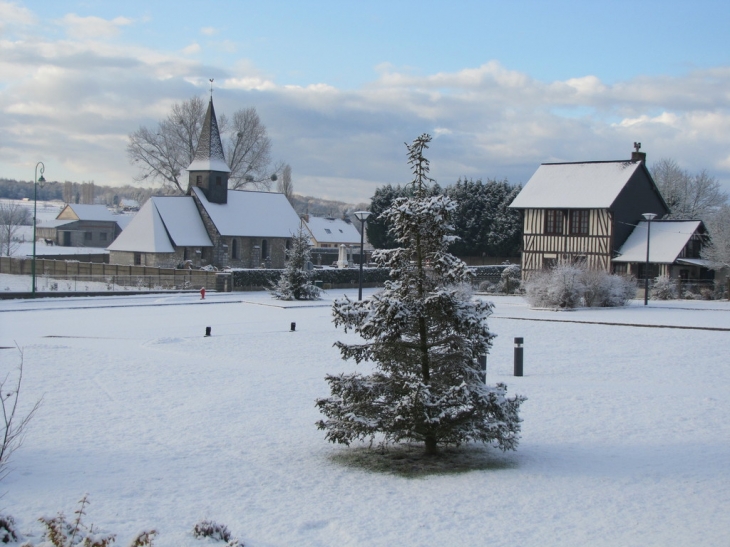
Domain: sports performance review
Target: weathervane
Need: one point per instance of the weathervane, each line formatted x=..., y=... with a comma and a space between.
x=211, y=93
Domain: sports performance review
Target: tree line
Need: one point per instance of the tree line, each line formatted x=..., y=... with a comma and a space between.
x=483, y=221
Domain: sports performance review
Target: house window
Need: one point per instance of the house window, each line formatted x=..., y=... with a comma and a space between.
x=199, y=180
x=102, y=236
x=137, y=259
x=234, y=248
x=87, y=236
x=264, y=249
x=328, y=230
x=217, y=181
x=579, y=222
x=553, y=221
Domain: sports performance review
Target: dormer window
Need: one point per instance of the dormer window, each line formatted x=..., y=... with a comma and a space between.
x=218, y=180
x=328, y=230
x=199, y=180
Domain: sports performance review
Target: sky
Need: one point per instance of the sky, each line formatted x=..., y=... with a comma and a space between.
x=341, y=86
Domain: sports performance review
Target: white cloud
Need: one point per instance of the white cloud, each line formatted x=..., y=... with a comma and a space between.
x=209, y=31
x=73, y=102
x=13, y=14
x=92, y=27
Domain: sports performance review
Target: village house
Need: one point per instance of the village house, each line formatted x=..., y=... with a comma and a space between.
x=331, y=232
x=211, y=226
x=584, y=211
x=79, y=225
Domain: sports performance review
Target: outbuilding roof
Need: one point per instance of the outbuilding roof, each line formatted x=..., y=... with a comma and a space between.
x=75, y=211
x=583, y=185
x=333, y=230
x=667, y=238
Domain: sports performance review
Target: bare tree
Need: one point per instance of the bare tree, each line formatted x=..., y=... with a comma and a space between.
x=13, y=215
x=163, y=154
x=688, y=196
x=717, y=251
x=285, y=185
x=15, y=426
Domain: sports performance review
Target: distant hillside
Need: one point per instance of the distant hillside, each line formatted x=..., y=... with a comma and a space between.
x=324, y=207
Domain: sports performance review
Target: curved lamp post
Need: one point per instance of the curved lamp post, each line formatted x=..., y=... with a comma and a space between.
x=36, y=181
x=649, y=217
x=362, y=216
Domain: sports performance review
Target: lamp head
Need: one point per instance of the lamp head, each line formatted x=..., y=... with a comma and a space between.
x=649, y=216
x=362, y=216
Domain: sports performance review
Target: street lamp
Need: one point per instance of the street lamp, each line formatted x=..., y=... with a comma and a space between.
x=649, y=217
x=362, y=216
x=36, y=181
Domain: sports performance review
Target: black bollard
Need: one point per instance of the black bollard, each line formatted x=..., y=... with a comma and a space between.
x=518, y=356
x=207, y=331
x=293, y=326
x=483, y=367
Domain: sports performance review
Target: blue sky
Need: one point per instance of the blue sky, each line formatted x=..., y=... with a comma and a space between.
x=503, y=86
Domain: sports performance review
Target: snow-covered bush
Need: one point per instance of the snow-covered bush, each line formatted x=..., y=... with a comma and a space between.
x=75, y=533
x=663, y=289
x=217, y=532
x=487, y=286
x=569, y=286
x=7, y=529
x=424, y=334
x=509, y=281
x=558, y=287
x=295, y=282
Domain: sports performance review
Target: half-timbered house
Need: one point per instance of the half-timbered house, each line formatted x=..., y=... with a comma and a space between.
x=584, y=211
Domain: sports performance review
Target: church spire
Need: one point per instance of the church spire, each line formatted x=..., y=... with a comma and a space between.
x=209, y=170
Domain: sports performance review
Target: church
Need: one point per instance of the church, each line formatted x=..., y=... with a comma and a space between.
x=210, y=226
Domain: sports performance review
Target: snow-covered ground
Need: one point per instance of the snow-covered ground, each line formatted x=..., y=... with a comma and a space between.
x=626, y=433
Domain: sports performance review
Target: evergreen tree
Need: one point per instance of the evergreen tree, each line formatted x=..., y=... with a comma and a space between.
x=424, y=336
x=295, y=282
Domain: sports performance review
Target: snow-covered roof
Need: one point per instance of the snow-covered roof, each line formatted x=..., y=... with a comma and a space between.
x=182, y=220
x=332, y=230
x=86, y=212
x=161, y=224
x=252, y=214
x=666, y=240
x=586, y=185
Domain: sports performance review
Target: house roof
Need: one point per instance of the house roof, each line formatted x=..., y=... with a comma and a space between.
x=209, y=153
x=332, y=230
x=77, y=211
x=252, y=214
x=583, y=185
x=161, y=224
x=667, y=238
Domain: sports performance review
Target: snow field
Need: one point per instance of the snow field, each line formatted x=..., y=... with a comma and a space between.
x=625, y=436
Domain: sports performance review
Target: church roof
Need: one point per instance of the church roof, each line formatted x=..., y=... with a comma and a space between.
x=162, y=224
x=209, y=154
x=252, y=214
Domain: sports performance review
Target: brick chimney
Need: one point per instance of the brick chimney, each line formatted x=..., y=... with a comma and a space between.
x=636, y=155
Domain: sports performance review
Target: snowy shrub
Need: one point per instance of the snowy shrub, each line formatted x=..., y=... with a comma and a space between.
x=295, y=282
x=7, y=529
x=217, y=532
x=509, y=281
x=664, y=289
x=424, y=335
x=559, y=287
x=487, y=286
x=569, y=286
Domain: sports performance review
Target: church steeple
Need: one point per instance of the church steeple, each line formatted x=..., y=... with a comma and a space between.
x=209, y=170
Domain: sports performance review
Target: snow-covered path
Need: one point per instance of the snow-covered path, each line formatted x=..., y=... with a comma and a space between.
x=626, y=433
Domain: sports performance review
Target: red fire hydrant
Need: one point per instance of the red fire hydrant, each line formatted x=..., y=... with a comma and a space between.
x=202, y=293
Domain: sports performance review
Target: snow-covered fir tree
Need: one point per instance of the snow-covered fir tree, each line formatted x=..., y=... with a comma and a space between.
x=295, y=282
x=424, y=335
